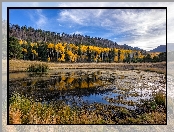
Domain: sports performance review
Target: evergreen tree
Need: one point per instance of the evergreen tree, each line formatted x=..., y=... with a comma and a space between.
x=162, y=56
x=88, y=54
x=15, y=49
x=119, y=53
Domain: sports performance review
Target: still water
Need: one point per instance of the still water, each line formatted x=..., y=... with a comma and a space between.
x=79, y=87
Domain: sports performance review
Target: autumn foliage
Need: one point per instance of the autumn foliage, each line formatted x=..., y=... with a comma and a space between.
x=64, y=52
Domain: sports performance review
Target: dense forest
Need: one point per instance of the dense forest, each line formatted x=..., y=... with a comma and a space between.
x=35, y=44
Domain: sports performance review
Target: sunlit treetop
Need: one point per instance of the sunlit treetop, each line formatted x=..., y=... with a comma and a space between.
x=22, y=42
x=24, y=50
x=50, y=46
x=60, y=47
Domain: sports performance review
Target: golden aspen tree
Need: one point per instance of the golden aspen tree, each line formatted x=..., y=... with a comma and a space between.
x=122, y=56
x=20, y=42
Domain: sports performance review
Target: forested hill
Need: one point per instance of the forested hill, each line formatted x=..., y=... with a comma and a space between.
x=30, y=34
x=28, y=43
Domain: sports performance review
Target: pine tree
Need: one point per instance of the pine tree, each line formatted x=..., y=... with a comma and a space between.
x=15, y=49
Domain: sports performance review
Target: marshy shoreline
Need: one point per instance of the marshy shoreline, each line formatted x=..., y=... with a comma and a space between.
x=88, y=93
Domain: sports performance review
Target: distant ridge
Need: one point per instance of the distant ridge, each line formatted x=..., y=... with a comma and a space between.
x=161, y=48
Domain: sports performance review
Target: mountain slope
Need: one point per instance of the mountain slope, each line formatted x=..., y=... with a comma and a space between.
x=37, y=35
x=161, y=48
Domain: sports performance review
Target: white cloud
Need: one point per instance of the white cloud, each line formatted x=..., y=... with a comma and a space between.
x=77, y=32
x=38, y=18
x=143, y=25
x=147, y=27
x=42, y=20
x=169, y=5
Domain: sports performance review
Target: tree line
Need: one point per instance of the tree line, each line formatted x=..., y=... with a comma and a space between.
x=32, y=35
x=69, y=52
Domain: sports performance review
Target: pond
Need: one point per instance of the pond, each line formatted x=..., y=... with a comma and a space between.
x=78, y=87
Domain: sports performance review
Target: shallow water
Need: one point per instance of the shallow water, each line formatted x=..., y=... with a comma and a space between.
x=111, y=87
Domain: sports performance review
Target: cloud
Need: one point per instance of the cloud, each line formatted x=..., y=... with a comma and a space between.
x=148, y=27
x=42, y=20
x=169, y=5
x=77, y=32
x=135, y=25
x=38, y=18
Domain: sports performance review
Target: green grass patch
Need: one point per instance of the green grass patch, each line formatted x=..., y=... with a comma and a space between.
x=38, y=68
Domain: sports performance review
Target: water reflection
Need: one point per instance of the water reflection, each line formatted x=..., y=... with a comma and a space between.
x=80, y=87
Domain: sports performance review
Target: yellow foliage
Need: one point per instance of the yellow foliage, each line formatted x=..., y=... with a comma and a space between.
x=62, y=85
x=48, y=59
x=105, y=50
x=63, y=77
x=122, y=56
x=91, y=84
x=154, y=54
x=34, y=52
x=70, y=80
x=72, y=51
x=84, y=84
x=60, y=48
x=84, y=48
x=32, y=44
x=25, y=50
x=25, y=42
x=116, y=58
x=62, y=58
x=50, y=45
x=20, y=42
x=69, y=52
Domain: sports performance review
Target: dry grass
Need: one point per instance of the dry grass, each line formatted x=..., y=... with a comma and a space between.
x=21, y=65
x=15, y=116
x=25, y=111
x=19, y=75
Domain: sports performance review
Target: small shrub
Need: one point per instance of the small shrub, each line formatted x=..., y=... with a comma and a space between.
x=38, y=68
x=160, y=99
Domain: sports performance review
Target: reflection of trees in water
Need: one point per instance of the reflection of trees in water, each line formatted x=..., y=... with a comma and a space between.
x=60, y=86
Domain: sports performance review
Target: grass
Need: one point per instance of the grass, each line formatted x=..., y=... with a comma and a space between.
x=23, y=110
x=160, y=99
x=158, y=70
x=21, y=65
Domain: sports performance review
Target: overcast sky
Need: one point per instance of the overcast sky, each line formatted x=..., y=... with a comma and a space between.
x=145, y=29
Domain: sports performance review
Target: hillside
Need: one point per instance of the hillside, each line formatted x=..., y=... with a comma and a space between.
x=161, y=48
x=30, y=34
x=28, y=43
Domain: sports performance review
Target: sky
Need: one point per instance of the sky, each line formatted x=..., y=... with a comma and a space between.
x=143, y=28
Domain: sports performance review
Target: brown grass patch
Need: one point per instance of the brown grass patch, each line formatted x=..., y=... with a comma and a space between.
x=21, y=65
